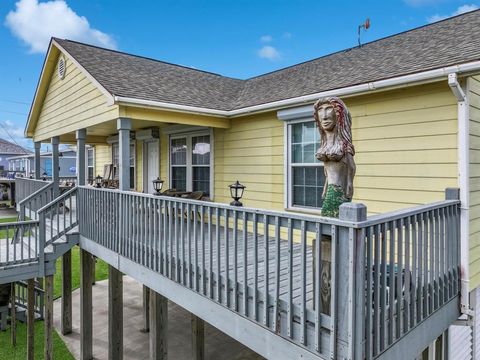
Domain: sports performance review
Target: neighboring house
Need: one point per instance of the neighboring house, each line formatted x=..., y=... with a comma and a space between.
x=25, y=164
x=414, y=132
x=7, y=150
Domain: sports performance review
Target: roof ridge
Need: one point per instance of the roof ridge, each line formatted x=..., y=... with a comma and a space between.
x=147, y=58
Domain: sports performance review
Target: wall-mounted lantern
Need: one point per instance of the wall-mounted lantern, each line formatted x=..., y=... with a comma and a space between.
x=98, y=181
x=236, y=192
x=44, y=176
x=157, y=185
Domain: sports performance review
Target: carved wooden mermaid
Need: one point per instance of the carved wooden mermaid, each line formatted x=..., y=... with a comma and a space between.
x=336, y=151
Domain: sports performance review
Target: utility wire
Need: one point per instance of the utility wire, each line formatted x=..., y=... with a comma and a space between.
x=13, y=112
x=11, y=137
x=15, y=102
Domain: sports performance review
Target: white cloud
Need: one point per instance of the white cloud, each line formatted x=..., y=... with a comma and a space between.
x=269, y=52
x=36, y=22
x=461, y=10
x=266, y=38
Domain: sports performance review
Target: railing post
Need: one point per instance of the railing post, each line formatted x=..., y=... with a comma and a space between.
x=41, y=243
x=81, y=172
x=350, y=272
x=55, y=166
x=38, y=145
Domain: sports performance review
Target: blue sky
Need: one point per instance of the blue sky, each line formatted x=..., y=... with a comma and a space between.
x=234, y=38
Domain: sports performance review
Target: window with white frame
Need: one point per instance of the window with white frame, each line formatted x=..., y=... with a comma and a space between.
x=90, y=164
x=306, y=177
x=115, y=161
x=190, y=162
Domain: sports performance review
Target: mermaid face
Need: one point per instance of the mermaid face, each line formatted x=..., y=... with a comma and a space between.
x=328, y=118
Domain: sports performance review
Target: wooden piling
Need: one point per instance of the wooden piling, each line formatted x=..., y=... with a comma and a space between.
x=66, y=325
x=158, y=326
x=48, y=345
x=30, y=318
x=198, y=338
x=115, y=314
x=86, y=328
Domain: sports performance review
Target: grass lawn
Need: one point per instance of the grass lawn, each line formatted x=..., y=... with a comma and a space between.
x=3, y=233
x=101, y=272
x=19, y=352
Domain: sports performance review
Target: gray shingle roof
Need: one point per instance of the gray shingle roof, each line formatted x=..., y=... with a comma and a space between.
x=6, y=147
x=449, y=42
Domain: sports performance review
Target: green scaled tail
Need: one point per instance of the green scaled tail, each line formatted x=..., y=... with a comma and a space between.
x=333, y=199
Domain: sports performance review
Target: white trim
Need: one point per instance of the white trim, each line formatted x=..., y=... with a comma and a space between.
x=395, y=82
x=463, y=152
x=87, y=149
x=145, y=161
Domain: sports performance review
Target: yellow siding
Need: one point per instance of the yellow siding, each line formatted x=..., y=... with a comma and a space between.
x=71, y=104
x=103, y=156
x=252, y=152
x=474, y=124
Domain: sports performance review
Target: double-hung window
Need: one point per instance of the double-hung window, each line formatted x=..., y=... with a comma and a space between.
x=90, y=164
x=190, y=162
x=306, y=177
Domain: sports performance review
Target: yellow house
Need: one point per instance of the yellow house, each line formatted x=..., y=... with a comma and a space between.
x=414, y=99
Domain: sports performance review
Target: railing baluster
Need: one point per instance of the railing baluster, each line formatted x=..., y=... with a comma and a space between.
x=255, y=267
x=266, y=305
x=245, y=264
x=383, y=296
x=421, y=256
x=227, y=259
x=210, y=253
x=181, y=256
x=400, y=279
x=276, y=314
x=407, y=286
x=303, y=305
x=195, y=248
x=432, y=265
x=333, y=296
x=369, y=346
x=290, y=279
x=235, y=260
x=217, y=257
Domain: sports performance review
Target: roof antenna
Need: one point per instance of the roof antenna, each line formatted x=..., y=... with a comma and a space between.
x=365, y=27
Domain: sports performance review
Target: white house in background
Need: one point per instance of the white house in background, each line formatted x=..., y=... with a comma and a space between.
x=24, y=165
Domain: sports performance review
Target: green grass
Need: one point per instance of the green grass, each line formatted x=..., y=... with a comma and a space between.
x=101, y=272
x=19, y=352
x=3, y=233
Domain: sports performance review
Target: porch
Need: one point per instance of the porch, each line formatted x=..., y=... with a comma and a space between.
x=260, y=276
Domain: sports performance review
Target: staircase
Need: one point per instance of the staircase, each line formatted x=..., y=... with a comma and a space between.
x=29, y=248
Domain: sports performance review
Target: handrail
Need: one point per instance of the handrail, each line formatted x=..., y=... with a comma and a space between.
x=58, y=199
x=31, y=196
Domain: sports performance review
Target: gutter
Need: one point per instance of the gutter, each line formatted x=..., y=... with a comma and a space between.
x=400, y=81
x=463, y=182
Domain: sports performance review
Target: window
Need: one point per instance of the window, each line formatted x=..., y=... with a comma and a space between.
x=115, y=161
x=190, y=160
x=90, y=164
x=306, y=176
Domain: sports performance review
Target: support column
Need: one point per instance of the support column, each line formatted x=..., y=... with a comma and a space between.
x=158, y=326
x=86, y=328
x=146, y=309
x=38, y=173
x=81, y=171
x=55, y=166
x=67, y=293
x=30, y=319
x=198, y=338
x=115, y=314
x=124, y=126
x=48, y=346
x=13, y=316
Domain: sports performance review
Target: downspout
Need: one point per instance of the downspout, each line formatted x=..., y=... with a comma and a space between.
x=463, y=181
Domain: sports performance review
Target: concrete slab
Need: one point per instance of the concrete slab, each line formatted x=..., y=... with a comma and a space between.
x=218, y=345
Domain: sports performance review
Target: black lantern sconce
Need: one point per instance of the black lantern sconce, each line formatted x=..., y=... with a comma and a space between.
x=236, y=192
x=98, y=181
x=157, y=185
x=44, y=176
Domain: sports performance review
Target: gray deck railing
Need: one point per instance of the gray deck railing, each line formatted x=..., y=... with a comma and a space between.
x=21, y=294
x=28, y=207
x=265, y=265
x=14, y=252
x=25, y=187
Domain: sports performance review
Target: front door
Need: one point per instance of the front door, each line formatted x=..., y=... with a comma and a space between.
x=152, y=164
